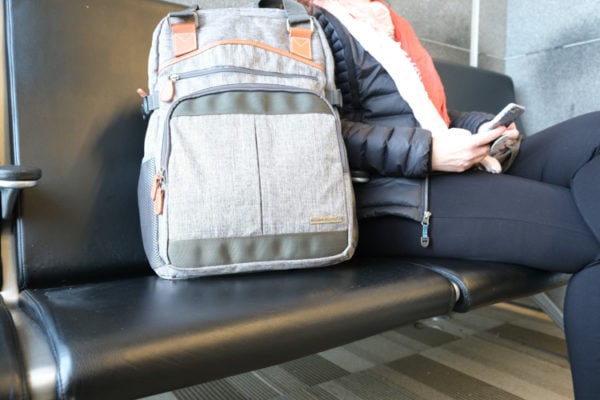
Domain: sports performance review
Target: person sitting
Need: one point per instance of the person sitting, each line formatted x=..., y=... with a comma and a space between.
x=541, y=211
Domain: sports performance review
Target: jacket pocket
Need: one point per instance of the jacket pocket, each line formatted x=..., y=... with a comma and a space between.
x=399, y=197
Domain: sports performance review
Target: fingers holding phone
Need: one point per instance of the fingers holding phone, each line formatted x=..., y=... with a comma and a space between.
x=459, y=152
x=504, y=119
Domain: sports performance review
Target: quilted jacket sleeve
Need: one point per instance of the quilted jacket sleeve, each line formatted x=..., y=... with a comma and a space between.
x=470, y=121
x=388, y=151
x=381, y=132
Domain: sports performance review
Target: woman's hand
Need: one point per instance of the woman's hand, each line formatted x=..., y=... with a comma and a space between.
x=457, y=150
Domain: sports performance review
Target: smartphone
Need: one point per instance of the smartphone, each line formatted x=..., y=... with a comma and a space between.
x=507, y=116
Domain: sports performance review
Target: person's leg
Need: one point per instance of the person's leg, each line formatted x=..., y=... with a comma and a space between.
x=567, y=154
x=586, y=192
x=582, y=329
x=501, y=218
x=544, y=214
x=555, y=154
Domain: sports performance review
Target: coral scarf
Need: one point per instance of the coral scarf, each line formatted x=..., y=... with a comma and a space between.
x=409, y=64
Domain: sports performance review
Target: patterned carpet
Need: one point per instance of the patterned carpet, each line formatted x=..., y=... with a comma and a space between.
x=501, y=352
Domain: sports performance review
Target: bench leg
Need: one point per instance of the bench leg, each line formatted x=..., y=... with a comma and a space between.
x=550, y=307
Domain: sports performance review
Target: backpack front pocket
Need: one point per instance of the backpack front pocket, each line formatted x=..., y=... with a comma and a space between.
x=241, y=180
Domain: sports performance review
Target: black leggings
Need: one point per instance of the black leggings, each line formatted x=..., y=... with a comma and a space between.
x=543, y=213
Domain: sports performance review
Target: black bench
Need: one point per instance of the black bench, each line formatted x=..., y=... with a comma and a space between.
x=81, y=313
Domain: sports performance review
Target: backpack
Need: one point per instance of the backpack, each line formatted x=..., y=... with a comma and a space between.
x=244, y=164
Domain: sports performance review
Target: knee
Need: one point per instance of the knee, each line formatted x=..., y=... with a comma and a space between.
x=582, y=290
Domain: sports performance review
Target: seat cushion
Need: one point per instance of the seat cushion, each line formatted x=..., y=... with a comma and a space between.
x=468, y=88
x=134, y=337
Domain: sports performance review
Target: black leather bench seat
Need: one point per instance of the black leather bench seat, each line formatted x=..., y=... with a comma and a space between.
x=132, y=337
x=481, y=283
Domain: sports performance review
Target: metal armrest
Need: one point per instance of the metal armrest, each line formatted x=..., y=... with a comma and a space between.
x=14, y=178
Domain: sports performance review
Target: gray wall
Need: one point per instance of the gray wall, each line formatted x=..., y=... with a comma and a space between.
x=550, y=48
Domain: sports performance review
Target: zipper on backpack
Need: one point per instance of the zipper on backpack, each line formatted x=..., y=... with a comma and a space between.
x=167, y=89
x=157, y=192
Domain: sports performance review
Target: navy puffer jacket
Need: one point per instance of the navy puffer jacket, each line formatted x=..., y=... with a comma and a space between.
x=382, y=135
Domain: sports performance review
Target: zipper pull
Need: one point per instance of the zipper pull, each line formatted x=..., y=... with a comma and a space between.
x=425, y=223
x=155, y=186
x=158, y=193
x=167, y=91
x=159, y=201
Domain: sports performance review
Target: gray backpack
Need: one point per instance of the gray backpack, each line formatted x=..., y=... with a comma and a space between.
x=244, y=164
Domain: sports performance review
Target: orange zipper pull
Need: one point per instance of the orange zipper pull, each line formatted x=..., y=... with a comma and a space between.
x=159, y=201
x=157, y=192
x=155, y=186
x=167, y=91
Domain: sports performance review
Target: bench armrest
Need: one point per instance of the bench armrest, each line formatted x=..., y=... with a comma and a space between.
x=14, y=178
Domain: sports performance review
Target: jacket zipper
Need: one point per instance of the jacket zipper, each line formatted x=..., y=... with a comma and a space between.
x=160, y=179
x=425, y=239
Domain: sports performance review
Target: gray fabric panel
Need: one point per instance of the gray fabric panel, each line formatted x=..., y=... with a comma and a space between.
x=251, y=176
x=213, y=178
x=301, y=174
x=209, y=252
x=251, y=102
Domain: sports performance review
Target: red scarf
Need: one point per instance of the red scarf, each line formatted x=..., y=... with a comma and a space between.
x=405, y=35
